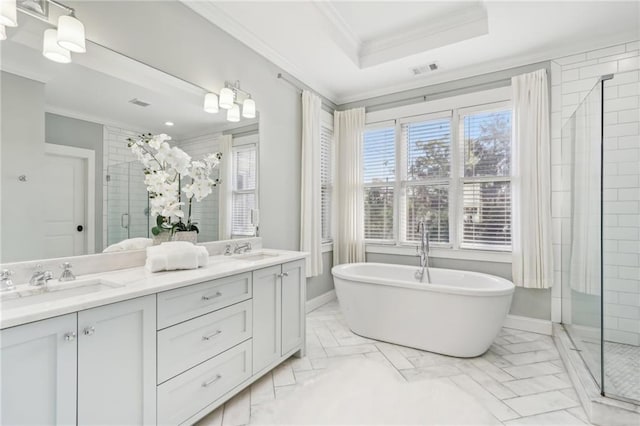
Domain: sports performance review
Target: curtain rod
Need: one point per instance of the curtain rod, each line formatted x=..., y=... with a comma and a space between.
x=330, y=106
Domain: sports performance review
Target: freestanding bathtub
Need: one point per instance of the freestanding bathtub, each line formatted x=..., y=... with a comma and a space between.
x=459, y=314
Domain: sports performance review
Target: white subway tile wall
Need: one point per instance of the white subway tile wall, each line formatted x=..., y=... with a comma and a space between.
x=571, y=79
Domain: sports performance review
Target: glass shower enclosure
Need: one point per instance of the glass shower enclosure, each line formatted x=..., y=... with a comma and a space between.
x=601, y=233
x=127, y=203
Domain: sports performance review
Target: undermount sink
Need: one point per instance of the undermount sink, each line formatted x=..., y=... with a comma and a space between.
x=254, y=257
x=26, y=295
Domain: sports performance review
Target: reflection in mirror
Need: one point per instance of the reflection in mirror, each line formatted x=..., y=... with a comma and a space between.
x=70, y=184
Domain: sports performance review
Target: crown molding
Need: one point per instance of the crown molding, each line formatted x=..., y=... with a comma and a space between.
x=342, y=34
x=444, y=76
x=217, y=16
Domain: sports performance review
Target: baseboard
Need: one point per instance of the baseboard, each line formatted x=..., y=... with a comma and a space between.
x=533, y=325
x=316, y=302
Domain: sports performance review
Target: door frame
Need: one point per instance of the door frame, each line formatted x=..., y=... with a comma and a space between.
x=90, y=208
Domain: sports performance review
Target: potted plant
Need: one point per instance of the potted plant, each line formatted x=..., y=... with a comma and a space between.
x=164, y=168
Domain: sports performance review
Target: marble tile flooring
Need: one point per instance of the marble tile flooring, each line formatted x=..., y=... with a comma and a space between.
x=519, y=381
x=621, y=368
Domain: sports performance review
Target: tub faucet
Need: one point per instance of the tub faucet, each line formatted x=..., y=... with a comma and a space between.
x=423, y=252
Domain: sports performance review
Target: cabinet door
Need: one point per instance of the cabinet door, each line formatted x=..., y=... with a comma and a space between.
x=266, y=317
x=38, y=375
x=117, y=363
x=293, y=302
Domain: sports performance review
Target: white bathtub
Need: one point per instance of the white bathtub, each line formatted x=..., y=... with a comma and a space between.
x=460, y=314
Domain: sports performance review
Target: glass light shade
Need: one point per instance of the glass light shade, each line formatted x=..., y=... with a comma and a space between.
x=52, y=50
x=233, y=114
x=71, y=34
x=211, y=103
x=8, y=13
x=249, y=108
x=226, y=98
x=3, y=32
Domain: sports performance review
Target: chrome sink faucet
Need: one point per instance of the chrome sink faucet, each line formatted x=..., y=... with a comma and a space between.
x=40, y=277
x=242, y=248
x=6, y=284
x=423, y=252
x=66, y=274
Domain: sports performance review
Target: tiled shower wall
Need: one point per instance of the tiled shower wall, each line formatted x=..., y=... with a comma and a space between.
x=572, y=78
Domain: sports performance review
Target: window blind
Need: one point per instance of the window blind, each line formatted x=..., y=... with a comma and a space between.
x=428, y=146
x=244, y=190
x=486, y=182
x=326, y=180
x=379, y=168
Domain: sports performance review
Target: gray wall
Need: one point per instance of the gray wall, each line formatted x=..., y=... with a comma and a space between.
x=22, y=153
x=174, y=39
x=526, y=302
x=62, y=130
x=317, y=286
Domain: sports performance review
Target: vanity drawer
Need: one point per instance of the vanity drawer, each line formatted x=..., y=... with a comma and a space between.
x=184, y=303
x=189, y=343
x=186, y=394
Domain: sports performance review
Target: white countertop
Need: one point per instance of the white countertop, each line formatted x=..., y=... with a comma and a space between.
x=137, y=282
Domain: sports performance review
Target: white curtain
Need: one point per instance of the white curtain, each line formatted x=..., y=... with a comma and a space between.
x=532, y=242
x=584, y=138
x=225, y=188
x=348, y=130
x=310, y=208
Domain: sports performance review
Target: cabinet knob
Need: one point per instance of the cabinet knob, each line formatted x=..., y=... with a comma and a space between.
x=88, y=331
x=284, y=274
x=70, y=336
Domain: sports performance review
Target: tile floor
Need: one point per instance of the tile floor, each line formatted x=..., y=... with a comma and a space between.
x=520, y=380
x=621, y=367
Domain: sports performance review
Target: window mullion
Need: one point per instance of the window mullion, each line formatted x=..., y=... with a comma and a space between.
x=455, y=194
x=400, y=201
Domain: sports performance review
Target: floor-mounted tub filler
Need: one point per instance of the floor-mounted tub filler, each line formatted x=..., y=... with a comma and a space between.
x=459, y=314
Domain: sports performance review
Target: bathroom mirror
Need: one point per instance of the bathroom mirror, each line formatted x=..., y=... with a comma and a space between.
x=70, y=184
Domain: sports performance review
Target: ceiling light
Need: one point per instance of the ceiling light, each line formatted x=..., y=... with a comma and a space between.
x=226, y=98
x=3, y=32
x=168, y=123
x=249, y=108
x=51, y=50
x=211, y=103
x=71, y=34
x=8, y=13
x=233, y=114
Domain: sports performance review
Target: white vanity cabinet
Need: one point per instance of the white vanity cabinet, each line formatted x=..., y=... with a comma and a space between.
x=278, y=313
x=117, y=363
x=38, y=372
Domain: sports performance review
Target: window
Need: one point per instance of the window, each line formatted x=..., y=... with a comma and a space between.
x=451, y=169
x=379, y=164
x=486, y=183
x=326, y=179
x=243, y=197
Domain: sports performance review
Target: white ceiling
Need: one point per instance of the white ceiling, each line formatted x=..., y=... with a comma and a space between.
x=328, y=45
x=97, y=87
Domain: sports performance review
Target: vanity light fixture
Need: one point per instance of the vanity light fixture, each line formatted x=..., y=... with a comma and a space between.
x=226, y=98
x=52, y=50
x=8, y=13
x=168, y=123
x=233, y=114
x=71, y=33
x=249, y=108
x=211, y=103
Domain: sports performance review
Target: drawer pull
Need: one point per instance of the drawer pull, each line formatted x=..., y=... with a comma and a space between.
x=218, y=294
x=211, y=335
x=212, y=381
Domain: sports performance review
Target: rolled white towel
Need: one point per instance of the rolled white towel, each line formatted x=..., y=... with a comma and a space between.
x=175, y=255
x=129, y=244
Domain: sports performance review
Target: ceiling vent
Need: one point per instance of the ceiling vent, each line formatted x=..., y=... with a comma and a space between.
x=424, y=69
x=138, y=102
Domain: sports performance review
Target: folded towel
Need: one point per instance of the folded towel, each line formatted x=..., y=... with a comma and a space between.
x=130, y=244
x=175, y=255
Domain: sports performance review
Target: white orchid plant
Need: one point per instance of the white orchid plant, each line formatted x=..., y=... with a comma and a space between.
x=164, y=168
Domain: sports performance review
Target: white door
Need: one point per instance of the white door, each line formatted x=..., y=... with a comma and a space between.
x=117, y=363
x=38, y=373
x=65, y=205
x=266, y=317
x=293, y=303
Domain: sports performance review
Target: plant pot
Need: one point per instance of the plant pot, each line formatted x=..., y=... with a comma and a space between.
x=162, y=237
x=190, y=236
